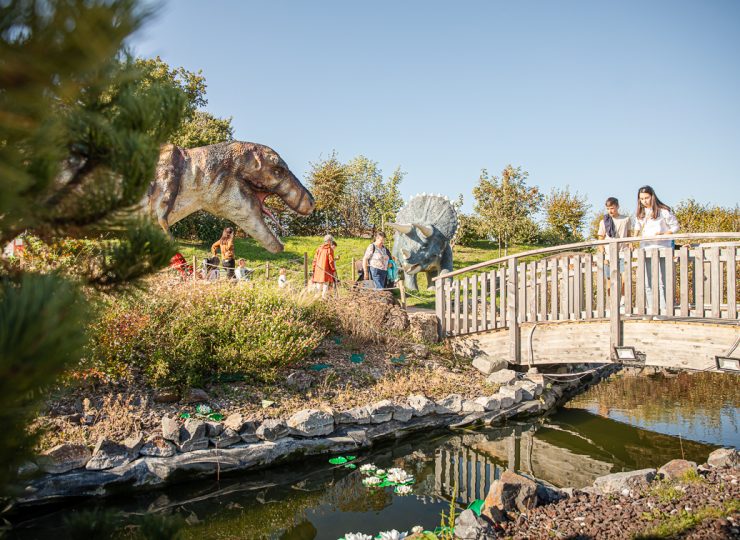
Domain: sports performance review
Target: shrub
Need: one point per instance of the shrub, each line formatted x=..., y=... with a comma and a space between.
x=201, y=226
x=193, y=333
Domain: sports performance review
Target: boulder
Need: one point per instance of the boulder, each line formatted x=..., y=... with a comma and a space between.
x=487, y=365
x=677, y=469
x=158, y=446
x=170, y=429
x=615, y=483
x=505, y=402
x=420, y=351
x=214, y=429
x=234, y=421
x=510, y=392
x=468, y=526
x=109, y=454
x=529, y=389
x=193, y=436
x=195, y=395
x=64, y=457
x=299, y=380
x=489, y=403
x=503, y=376
x=166, y=395
x=452, y=404
x=226, y=438
x=27, y=468
x=423, y=326
x=380, y=412
x=421, y=405
x=272, y=430
x=724, y=457
x=356, y=415
x=311, y=423
x=469, y=406
x=512, y=492
x=535, y=376
x=248, y=432
x=402, y=413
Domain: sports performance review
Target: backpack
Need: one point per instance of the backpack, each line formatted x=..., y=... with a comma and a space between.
x=389, y=278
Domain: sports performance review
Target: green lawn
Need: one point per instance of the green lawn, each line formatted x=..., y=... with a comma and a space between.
x=347, y=249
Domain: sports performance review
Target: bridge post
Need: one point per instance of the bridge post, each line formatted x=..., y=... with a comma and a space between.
x=615, y=290
x=439, y=308
x=512, y=304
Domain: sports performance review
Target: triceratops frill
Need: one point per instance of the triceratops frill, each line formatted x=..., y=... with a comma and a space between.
x=424, y=227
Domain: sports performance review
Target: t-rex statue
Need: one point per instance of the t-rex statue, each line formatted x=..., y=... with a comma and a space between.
x=425, y=227
x=230, y=180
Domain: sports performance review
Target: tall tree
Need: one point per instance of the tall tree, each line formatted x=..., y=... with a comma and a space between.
x=566, y=214
x=505, y=205
x=80, y=140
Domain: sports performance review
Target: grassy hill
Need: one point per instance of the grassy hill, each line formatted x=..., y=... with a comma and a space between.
x=347, y=249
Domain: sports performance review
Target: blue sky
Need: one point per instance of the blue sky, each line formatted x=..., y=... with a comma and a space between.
x=601, y=96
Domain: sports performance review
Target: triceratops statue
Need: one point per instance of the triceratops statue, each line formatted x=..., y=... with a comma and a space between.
x=424, y=227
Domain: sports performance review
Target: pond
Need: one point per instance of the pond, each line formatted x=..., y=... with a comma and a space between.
x=622, y=424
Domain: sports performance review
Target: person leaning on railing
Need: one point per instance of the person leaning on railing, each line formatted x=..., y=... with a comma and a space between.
x=654, y=218
x=615, y=225
x=226, y=244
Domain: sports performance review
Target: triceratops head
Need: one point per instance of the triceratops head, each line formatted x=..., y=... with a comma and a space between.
x=418, y=247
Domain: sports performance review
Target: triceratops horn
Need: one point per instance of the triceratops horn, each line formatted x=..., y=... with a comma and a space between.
x=406, y=253
x=403, y=228
x=425, y=230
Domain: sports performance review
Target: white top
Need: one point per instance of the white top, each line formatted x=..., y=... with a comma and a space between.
x=623, y=225
x=378, y=258
x=282, y=281
x=665, y=223
x=241, y=273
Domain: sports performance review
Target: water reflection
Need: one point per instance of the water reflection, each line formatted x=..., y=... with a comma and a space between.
x=316, y=500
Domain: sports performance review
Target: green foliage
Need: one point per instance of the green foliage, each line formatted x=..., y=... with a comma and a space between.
x=505, y=205
x=467, y=230
x=193, y=334
x=565, y=214
x=694, y=217
x=203, y=129
x=95, y=523
x=201, y=226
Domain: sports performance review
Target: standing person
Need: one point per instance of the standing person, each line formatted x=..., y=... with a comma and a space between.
x=226, y=243
x=324, y=269
x=282, y=278
x=376, y=259
x=615, y=225
x=654, y=218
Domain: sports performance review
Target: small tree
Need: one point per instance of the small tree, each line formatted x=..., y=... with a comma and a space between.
x=696, y=217
x=565, y=214
x=505, y=205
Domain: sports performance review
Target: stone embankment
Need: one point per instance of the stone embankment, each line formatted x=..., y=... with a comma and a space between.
x=188, y=448
x=680, y=499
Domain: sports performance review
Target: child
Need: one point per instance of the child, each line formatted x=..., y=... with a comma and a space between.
x=614, y=225
x=242, y=272
x=283, y=278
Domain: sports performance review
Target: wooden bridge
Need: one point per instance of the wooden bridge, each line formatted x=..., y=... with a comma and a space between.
x=563, y=304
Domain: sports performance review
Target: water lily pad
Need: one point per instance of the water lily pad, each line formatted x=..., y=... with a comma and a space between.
x=203, y=409
x=216, y=417
x=338, y=460
x=185, y=415
x=319, y=367
x=350, y=466
x=476, y=506
x=357, y=358
x=351, y=458
x=386, y=483
x=338, y=340
x=399, y=359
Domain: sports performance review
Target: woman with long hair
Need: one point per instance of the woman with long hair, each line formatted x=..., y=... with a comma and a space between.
x=226, y=244
x=654, y=218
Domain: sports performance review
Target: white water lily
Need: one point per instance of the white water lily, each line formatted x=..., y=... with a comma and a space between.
x=399, y=476
x=368, y=468
x=380, y=472
x=417, y=529
x=395, y=470
x=371, y=481
x=403, y=490
x=393, y=535
x=357, y=536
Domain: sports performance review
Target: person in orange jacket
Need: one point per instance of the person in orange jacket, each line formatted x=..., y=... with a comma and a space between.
x=324, y=268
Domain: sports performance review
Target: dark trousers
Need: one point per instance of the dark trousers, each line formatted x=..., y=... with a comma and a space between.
x=229, y=265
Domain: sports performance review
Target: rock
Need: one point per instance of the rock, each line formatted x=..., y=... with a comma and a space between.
x=420, y=351
x=512, y=492
x=677, y=469
x=234, y=421
x=423, y=327
x=166, y=395
x=193, y=436
x=134, y=443
x=489, y=403
x=158, y=446
x=64, y=457
x=421, y=405
x=170, y=429
x=272, y=430
x=357, y=415
x=299, y=380
x=227, y=438
x=380, y=412
x=452, y=404
x=467, y=526
x=615, y=483
x=527, y=408
x=469, y=406
x=402, y=413
x=504, y=376
x=535, y=376
x=724, y=457
x=529, y=389
x=311, y=423
x=195, y=395
x=505, y=402
x=487, y=365
x=214, y=429
x=248, y=432
x=511, y=392
x=494, y=515
x=109, y=454
x=27, y=468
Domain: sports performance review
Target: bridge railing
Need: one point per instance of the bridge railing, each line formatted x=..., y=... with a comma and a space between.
x=574, y=282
